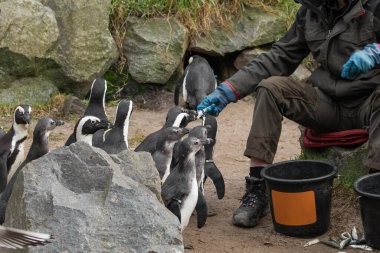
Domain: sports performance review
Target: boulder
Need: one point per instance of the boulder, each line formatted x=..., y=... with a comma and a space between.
x=56, y=39
x=23, y=91
x=94, y=202
x=154, y=49
x=253, y=28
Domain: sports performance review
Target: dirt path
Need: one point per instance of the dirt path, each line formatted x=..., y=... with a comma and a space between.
x=219, y=235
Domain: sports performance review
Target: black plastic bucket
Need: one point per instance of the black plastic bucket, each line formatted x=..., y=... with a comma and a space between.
x=300, y=196
x=368, y=189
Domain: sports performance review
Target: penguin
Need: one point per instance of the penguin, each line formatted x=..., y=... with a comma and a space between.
x=2, y=132
x=199, y=132
x=163, y=151
x=197, y=82
x=176, y=117
x=12, y=143
x=13, y=238
x=180, y=190
x=86, y=127
x=39, y=147
x=96, y=107
x=116, y=140
x=211, y=170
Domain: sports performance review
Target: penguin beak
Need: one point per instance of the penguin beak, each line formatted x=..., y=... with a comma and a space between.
x=207, y=141
x=104, y=124
x=185, y=130
x=26, y=117
x=59, y=122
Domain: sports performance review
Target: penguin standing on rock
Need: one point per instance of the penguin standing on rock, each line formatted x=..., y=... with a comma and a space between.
x=163, y=151
x=85, y=129
x=12, y=143
x=39, y=147
x=96, y=108
x=116, y=140
x=180, y=190
x=198, y=81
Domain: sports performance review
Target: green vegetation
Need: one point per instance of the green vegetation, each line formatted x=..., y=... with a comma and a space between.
x=350, y=166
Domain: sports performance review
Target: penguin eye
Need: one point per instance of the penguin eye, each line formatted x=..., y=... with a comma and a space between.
x=92, y=121
x=52, y=122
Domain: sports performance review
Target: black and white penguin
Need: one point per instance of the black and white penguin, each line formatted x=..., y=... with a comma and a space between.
x=180, y=190
x=12, y=143
x=211, y=170
x=116, y=140
x=85, y=129
x=13, y=238
x=199, y=132
x=197, y=82
x=163, y=151
x=96, y=107
x=39, y=147
x=176, y=117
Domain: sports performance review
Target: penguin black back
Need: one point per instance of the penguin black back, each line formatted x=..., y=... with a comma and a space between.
x=96, y=104
x=198, y=81
x=39, y=147
x=116, y=139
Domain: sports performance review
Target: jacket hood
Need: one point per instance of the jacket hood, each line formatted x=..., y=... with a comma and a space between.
x=326, y=9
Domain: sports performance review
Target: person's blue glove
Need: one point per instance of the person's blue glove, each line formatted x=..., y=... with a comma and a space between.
x=361, y=61
x=215, y=102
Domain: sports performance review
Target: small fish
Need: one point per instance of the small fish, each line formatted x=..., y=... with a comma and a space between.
x=312, y=242
x=354, y=234
x=345, y=240
x=362, y=247
x=331, y=243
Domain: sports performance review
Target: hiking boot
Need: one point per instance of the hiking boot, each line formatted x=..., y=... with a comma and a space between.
x=254, y=203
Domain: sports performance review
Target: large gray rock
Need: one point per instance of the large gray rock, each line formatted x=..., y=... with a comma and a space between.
x=93, y=204
x=154, y=48
x=254, y=28
x=24, y=91
x=67, y=41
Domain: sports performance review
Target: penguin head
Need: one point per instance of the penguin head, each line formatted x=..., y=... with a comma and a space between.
x=190, y=145
x=174, y=134
x=90, y=124
x=22, y=115
x=45, y=126
x=199, y=132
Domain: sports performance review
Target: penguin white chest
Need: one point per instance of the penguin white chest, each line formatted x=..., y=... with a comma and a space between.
x=189, y=203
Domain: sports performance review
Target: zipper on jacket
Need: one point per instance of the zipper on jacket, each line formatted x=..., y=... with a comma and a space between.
x=328, y=34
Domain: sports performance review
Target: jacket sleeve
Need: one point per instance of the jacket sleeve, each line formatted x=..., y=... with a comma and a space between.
x=282, y=60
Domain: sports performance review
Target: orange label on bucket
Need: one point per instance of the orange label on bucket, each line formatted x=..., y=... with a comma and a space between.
x=294, y=209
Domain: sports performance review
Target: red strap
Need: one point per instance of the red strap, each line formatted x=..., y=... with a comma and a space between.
x=342, y=138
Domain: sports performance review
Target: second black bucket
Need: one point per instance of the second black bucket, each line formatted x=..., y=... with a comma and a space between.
x=368, y=188
x=300, y=196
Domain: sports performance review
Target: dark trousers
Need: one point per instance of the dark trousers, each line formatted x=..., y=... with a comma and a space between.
x=279, y=97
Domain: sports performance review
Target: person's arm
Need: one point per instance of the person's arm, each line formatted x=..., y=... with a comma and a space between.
x=282, y=60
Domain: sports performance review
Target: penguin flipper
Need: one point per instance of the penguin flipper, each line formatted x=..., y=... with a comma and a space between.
x=217, y=178
x=175, y=208
x=177, y=88
x=201, y=209
x=70, y=140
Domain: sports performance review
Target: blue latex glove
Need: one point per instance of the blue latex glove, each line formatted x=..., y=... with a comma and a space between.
x=361, y=61
x=217, y=100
